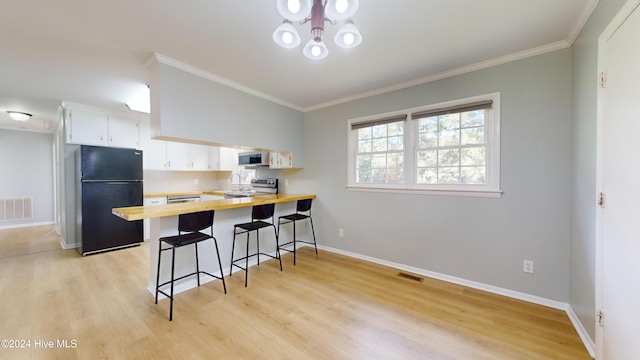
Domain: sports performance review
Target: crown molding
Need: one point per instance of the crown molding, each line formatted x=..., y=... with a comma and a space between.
x=449, y=73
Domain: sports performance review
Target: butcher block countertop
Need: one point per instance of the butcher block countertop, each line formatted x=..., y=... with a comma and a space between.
x=202, y=192
x=155, y=211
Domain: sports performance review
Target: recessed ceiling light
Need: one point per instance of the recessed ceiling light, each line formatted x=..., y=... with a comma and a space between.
x=19, y=115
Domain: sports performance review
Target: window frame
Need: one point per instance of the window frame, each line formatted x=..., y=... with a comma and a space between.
x=491, y=188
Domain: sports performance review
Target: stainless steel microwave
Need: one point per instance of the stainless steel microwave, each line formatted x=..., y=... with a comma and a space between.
x=253, y=158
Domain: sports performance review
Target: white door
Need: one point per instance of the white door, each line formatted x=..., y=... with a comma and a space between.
x=618, y=250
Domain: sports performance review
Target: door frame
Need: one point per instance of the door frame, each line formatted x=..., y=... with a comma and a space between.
x=627, y=9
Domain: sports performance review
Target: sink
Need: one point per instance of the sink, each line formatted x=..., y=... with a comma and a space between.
x=239, y=194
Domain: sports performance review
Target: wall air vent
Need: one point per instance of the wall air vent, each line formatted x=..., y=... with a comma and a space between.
x=12, y=209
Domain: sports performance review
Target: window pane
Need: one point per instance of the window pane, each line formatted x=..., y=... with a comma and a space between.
x=379, y=145
x=395, y=176
x=473, y=156
x=428, y=140
x=448, y=175
x=364, y=146
x=449, y=157
x=473, y=175
x=380, y=131
x=395, y=160
x=449, y=138
x=364, y=161
x=379, y=161
x=427, y=158
x=379, y=176
x=364, y=133
x=395, y=143
x=428, y=125
x=472, y=136
x=472, y=118
x=427, y=176
x=396, y=128
x=449, y=122
x=363, y=176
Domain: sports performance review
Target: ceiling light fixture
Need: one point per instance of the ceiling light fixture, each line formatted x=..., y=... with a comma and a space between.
x=317, y=12
x=19, y=115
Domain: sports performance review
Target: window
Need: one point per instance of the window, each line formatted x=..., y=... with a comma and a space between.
x=447, y=148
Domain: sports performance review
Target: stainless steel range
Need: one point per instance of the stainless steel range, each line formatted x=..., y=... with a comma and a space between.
x=265, y=186
x=258, y=187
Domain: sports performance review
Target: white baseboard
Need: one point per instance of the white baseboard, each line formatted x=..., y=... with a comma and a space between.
x=584, y=336
x=16, y=226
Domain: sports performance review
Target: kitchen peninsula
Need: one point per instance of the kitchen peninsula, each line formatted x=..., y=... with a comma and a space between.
x=164, y=222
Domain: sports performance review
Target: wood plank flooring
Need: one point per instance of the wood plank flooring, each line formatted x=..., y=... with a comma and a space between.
x=326, y=307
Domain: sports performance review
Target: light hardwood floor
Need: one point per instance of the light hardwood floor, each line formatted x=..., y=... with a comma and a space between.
x=326, y=307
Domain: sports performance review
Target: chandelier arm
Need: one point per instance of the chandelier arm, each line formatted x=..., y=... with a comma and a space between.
x=330, y=21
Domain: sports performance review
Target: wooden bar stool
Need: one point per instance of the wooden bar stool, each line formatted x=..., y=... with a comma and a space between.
x=303, y=211
x=189, y=233
x=259, y=213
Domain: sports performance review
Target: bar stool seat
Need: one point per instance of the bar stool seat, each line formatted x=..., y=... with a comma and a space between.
x=303, y=211
x=189, y=233
x=259, y=213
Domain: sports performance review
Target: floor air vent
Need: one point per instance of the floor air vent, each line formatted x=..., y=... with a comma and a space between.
x=16, y=209
x=410, y=277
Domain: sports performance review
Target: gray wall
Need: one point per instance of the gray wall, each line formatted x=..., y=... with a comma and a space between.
x=479, y=239
x=186, y=106
x=583, y=169
x=26, y=163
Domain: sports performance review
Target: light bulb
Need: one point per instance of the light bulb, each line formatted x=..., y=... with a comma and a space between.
x=315, y=50
x=348, y=38
x=341, y=6
x=294, y=6
x=287, y=37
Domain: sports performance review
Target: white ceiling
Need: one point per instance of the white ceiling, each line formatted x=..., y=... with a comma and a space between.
x=94, y=51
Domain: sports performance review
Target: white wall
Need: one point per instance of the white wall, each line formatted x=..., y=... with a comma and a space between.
x=26, y=165
x=478, y=239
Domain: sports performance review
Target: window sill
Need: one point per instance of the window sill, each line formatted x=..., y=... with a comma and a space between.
x=463, y=193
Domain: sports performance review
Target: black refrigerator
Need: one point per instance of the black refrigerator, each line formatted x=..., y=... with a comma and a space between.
x=107, y=178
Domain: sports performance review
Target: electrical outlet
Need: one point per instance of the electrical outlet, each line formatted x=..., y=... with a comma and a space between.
x=341, y=232
x=286, y=182
x=195, y=181
x=527, y=266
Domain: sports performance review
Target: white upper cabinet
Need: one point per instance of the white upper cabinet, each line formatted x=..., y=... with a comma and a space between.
x=123, y=132
x=198, y=157
x=87, y=126
x=178, y=157
x=280, y=160
x=222, y=158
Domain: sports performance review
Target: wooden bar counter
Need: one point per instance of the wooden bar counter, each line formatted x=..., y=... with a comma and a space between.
x=163, y=221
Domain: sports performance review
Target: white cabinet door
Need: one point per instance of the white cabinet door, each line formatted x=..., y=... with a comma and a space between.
x=198, y=157
x=178, y=156
x=123, y=132
x=150, y=202
x=228, y=159
x=280, y=160
x=87, y=127
x=214, y=158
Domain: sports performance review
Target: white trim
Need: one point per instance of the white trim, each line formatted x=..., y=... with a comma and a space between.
x=23, y=225
x=220, y=80
x=584, y=336
x=471, y=193
x=582, y=332
x=615, y=23
x=66, y=246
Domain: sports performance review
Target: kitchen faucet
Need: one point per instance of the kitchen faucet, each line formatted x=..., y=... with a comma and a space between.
x=239, y=180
